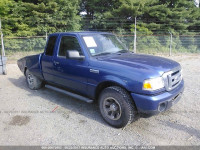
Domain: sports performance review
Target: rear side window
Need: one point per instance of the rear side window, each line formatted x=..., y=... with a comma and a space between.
x=51, y=45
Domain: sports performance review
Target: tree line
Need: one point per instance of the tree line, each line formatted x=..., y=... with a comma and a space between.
x=36, y=17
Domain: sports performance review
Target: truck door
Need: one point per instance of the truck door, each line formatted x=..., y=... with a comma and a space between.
x=47, y=59
x=70, y=73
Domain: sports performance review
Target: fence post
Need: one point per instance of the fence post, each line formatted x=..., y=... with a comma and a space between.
x=135, y=37
x=3, y=58
x=2, y=44
x=170, y=46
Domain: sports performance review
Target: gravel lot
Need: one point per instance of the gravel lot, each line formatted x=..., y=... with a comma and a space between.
x=45, y=117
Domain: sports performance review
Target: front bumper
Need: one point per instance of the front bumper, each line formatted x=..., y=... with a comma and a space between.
x=149, y=105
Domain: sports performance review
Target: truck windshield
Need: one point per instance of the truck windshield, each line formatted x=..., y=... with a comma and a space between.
x=103, y=44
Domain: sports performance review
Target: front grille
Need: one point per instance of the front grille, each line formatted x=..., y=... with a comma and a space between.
x=172, y=78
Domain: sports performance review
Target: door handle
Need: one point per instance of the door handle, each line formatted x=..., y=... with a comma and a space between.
x=56, y=62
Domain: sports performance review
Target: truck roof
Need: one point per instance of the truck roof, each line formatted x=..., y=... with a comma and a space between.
x=81, y=33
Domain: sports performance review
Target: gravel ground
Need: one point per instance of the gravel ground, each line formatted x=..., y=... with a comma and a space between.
x=45, y=117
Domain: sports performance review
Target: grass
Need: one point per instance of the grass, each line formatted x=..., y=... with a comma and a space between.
x=13, y=56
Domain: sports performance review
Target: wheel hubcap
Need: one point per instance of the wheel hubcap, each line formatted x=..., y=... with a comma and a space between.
x=112, y=108
x=30, y=79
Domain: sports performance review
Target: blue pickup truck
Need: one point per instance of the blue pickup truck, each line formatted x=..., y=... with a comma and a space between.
x=97, y=67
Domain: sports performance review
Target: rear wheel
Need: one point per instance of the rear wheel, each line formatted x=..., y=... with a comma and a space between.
x=33, y=82
x=117, y=107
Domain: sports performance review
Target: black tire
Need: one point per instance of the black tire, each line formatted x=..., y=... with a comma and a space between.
x=34, y=83
x=124, y=103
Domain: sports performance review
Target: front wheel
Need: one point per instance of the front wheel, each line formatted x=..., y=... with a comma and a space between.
x=34, y=83
x=116, y=107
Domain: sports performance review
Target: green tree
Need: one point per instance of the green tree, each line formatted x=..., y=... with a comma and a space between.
x=95, y=13
x=27, y=18
x=159, y=16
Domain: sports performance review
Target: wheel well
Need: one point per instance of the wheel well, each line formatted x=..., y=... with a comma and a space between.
x=25, y=68
x=104, y=85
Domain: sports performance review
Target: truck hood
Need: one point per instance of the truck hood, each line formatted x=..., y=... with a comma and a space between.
x=140, y=61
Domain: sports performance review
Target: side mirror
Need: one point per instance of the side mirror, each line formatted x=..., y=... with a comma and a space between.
x=74, y=54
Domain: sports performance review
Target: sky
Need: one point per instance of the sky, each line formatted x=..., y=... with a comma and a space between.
x=197, y=1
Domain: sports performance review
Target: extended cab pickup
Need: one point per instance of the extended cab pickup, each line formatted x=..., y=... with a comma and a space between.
x=96, y=66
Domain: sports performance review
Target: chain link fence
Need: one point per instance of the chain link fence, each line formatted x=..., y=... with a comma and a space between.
x=18, y=44
x=18, y=47
x=160, y=44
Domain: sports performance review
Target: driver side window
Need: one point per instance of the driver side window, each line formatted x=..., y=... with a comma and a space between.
x=69, y=43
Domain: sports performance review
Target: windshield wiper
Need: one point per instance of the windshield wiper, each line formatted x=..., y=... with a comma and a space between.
x=123, y=51
x=105, y=53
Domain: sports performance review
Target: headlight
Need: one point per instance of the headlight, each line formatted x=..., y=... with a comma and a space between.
x=153, y=84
